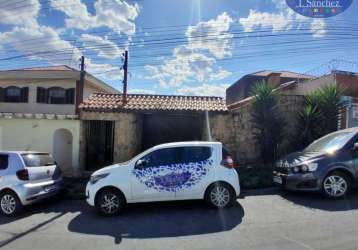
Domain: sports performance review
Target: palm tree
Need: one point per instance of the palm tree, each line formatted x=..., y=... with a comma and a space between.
x=267, y=122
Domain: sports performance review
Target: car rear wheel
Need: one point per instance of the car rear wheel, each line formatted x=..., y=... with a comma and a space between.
x=110, y=202
x=220, y=195
x=10, y=204
x=336, y=185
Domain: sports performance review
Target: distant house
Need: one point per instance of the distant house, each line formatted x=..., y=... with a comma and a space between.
x=243, y=87
x=38, y=110
x=346, y=81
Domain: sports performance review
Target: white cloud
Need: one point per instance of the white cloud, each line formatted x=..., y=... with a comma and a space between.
x=204, y=90
x=256, y=19
x=23, y=13
x=185, y=65
x=104, y=70
x=195, y=61
x=105, y=48
x=212, y=35
x=283, y=19
x=53, y=48
x=220, y=74
x=318, y=28
x=117, y=15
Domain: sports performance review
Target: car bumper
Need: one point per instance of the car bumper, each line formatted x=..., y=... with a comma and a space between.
x=90, y=193
x=297, y=182
x=35, y=191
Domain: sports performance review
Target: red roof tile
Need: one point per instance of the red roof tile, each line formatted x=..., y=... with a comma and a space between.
x=283, y=74
x=113, y=103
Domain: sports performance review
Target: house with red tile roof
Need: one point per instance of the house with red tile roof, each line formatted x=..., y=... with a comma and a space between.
x=116, y=129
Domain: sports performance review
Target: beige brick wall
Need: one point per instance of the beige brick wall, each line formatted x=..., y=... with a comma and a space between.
x=247, y=150
x=127, y=136
x=222, y=129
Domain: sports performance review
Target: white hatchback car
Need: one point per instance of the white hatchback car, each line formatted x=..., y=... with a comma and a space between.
x=26, y=177
x=172, y=171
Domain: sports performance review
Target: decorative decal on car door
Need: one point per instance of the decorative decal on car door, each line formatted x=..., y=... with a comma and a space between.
x=174, y=177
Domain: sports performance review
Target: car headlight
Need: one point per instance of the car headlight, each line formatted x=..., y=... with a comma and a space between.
x=97, y=177
x=296, y=169
x=306, y=167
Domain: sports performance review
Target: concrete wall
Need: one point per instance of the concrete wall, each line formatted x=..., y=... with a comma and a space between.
x=32, y=106
x=223, y=130
x=247, y=149
x=38, y=135
x=127, y=137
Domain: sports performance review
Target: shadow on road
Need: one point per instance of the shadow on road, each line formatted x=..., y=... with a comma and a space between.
x=318, y=201
x=152, y=220
x=55, y=207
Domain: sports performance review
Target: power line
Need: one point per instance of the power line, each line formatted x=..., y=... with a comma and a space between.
x=171, y=41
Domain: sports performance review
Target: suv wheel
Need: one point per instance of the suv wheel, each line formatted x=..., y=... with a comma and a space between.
x=110, y=202
x=220, y=195
x=336, y=185
x=10, y=204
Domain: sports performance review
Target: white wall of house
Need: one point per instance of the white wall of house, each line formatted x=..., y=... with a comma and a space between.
x=59, y=137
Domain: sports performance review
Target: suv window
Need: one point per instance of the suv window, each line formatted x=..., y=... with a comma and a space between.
x=195, y=154
x=4, y=162
x=37, y=160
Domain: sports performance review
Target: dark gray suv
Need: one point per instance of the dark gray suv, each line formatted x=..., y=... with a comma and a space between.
x=329, y=164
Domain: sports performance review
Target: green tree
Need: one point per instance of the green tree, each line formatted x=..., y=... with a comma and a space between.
x=267, y=121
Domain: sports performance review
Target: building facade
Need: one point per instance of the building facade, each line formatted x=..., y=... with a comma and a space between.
x=38, y=111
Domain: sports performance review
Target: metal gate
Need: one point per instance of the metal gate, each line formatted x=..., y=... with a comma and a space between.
x=99, y=136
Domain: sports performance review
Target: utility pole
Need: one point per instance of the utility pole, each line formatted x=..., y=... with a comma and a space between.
x=80, y=85
x=125, y=71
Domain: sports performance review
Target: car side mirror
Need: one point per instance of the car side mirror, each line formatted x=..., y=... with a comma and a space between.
x=355, y=146
x=140, y=164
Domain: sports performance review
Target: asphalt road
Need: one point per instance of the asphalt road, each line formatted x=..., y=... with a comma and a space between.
x=260, y=220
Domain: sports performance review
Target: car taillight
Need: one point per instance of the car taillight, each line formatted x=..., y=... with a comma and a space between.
x=23, y=175
x=227, y=162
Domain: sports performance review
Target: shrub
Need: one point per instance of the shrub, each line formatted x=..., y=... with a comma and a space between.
x=267, y=122
x=320, y=115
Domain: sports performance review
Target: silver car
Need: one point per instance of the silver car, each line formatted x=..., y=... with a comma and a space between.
x=25, y=178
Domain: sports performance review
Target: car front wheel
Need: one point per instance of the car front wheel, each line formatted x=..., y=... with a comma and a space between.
x=336, y=185
x=10, y=204
x=220, y=195
x=110, y=202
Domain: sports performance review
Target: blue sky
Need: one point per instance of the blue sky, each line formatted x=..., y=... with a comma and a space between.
x=192, y=47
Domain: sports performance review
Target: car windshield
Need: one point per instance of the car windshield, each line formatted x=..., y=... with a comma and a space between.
x=37, y=160
x=330, y=143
